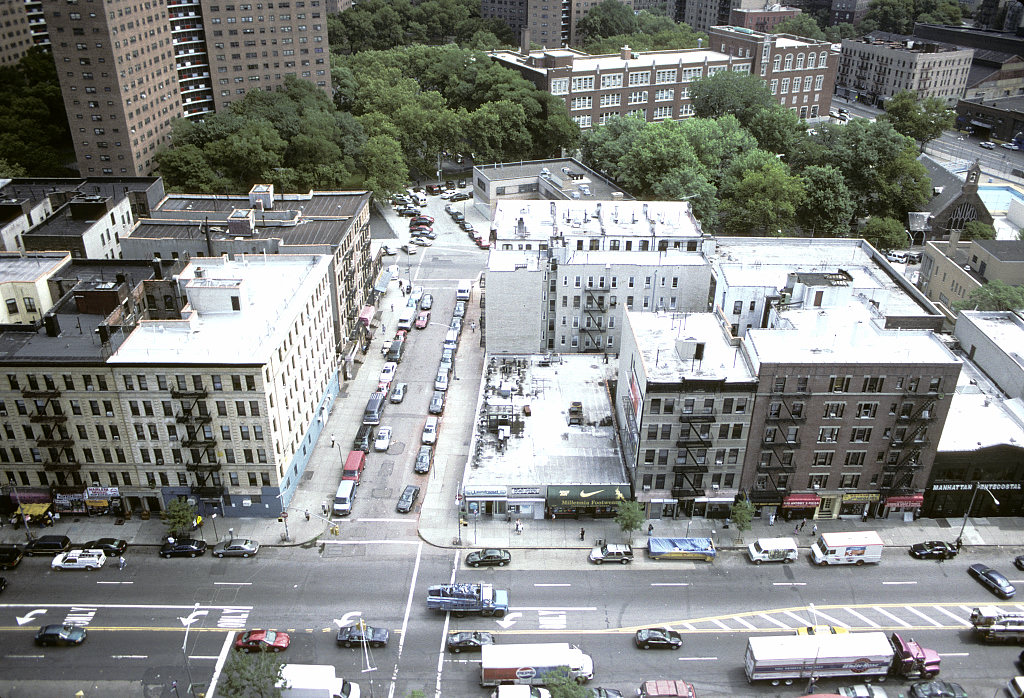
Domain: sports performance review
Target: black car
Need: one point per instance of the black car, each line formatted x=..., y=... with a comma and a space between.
x=1018, y=562
x=48, y=545
x=423, y=460
x=937, y=689
x=183, y=547
x=458, y=217
x=462, y=184
x=658, y=639
x=421, y=220
x=461, y=196
x=468, y=642
x=491, y=557
x=410, y=211
x=604, y=693
x=3, y=583
x=467, y=226
x=361, y=633
x=60, y=635
x=111, y=547
x=408, y=499
x=933, y=550
x=994, y=581
x=448, y=209
x=10, y=556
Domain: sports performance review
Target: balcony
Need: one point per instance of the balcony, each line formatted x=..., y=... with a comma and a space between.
x=785, y=418
x=776, y=467
x=692, y=418
x=55, y=443
x=49, y=418
x=693, y=441
x=179, y=394
x=51, y=466
x=690, y=468
x=687, y=492
x=198, y=441
x=189, y=418
x=203, y=467
x=210, y=491
x=45, y=393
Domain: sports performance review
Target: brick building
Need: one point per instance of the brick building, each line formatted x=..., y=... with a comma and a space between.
x=548, y=23
x=762, y=19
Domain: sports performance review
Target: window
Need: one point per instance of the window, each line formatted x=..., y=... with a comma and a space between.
x=828, y=435
x=849, y=481
x=789, y=62
x=839, y=384
x=785, y=86
x=661, y=113
x=873, y=384
x=663, y=77
x=582, y=103
x=866, y=410
x=638, y=97
x=800, y=61
x=855, y=457
x=822, y=458
x=664, y=95
x=612, y=100
x=583, y=84
x=560, y=86
x=860, y=434
x=608, y=81
x=834, y=410
x=637, y=79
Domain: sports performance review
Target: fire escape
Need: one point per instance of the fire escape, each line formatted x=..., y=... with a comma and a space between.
x=198, y=442
x=595, y=311
x=910, y=436
x=55, y=440
x=776, y=461
x=689, y=476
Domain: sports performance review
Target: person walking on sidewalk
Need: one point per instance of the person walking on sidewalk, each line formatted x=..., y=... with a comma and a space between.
x=650, y=530
x=583, y=534
x=802, y=524
x=771, y=519
x=121, y=562
x=814, y=530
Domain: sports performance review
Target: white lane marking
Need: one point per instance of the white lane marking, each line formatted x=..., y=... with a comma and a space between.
x=130, y=656
x=444, y=633
x=552, y=585
x=229, y=641
x=864, y=618
x=720, y=624
x=697, y=659
x=384, y=521
x=670, y=584
x=405, y=618
x=554, y=608
x=747, y=624
x=892, y=617
x=898, y=583
x=927, y=618
x=954, y=654
x=115, y=582
x=238, y=584
x=798, y=619
x=188, y=607
x=830, y=619
x=768, y=618
x=24, y=656
x=204, y=656
x=955, y=617
x=689, y=626
x=789, y=584
x=371, y=542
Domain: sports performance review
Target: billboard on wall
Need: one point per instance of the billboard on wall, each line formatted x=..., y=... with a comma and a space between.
x=635, y=396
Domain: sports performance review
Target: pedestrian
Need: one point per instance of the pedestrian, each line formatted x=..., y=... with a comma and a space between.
x=771, y=519
x=650, y=529
x=323, y=508
x=332, y=440
x=814, y=530
x=120, y=562
x=307, y=516
x=392, y=307
x=802, y=524
x=796, y=528
x=959, y=544
x=583, y=534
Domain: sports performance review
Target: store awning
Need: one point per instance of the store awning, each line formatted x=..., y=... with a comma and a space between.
x=366, y=315
x=800, y=501
x=982, y=124
x=33, y=509
x=383, y=279
x=913, y=500
x=587, y=495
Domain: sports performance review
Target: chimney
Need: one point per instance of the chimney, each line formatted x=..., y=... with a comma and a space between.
x=954, y=239
x=625, y=53
x=158, y=270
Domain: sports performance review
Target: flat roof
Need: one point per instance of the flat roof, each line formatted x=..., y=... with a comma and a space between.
x=980, y=415
x=1004, y=328
x=613, y=61
x=640, y=219
x=30, y=267
x=556, y=176
x=657, y=334
x=273, y=290
x=550, y=451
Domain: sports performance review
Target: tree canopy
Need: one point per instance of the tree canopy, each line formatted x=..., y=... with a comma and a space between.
x=995, y=295
x=976, y=230
x=729, y=92
x=885, y=234
x=608, y=18
x=251, y=676
x=35, y=138
x=801, y=25
x=898, y=16
x=920, y=119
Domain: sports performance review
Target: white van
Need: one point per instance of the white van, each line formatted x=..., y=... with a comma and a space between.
x=772, y=550
x=847, y=548
x=420, y=198
x=430, y=430
x=304, y=680
x=441, y=380
x=463, y=290
x=451, y=340
x=343, y=497
x=406, y=316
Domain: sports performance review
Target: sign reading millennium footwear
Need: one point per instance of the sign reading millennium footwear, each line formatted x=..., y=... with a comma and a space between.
x=586, y=495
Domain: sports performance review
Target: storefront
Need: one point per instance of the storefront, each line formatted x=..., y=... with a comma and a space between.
x=578, y=501
x=485, y=500
x=857, y=505
x=716, y=507
x=799, y=506
x=525, y=502
x=903, y=507
x=948, y=499
x=662, y=508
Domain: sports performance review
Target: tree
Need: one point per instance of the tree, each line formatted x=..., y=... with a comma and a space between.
x=179, y=517
x=385, y=168
x=630, y=517
x=884, y=234
x=8, y=169
x=892, y=15
x=976, y=230
x=609, y=18
x=253, y=675
x=681, y=36
x=801, y=25
x=741, y=513
x=759, y=196
x=728, y=92
x=827, y=208
x=563, y=686
x=995, y=295
x=922, y=120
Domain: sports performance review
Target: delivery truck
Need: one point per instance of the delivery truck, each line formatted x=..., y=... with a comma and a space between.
x=463, y=598
x=772, y=550
x=529, y=664
x=681, y=549
x=993, y=624
x=666, y=688
x=520, y=692
x=847, y=548
x=314, y=681
x=785, y=658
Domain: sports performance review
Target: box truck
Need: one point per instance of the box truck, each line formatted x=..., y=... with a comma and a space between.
x=784, y=658
x=772, y=550
x=466, y=597
x=314, y=681
x=847, y=548
x=530, y=664
x=681, y=549
x=993, y=624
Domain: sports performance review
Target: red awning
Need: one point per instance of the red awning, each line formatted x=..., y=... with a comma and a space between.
x=913, y=500
x=366, y=315
x=801, y=500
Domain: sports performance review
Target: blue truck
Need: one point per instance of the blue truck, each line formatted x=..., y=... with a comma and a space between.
x=681, y=549
x=463, y=598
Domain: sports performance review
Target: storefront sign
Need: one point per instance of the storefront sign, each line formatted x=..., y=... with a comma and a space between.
x=968, y=486
x=801, y=501
x=485, y=491
x=102, y=493
x=914, y=500
x=523, y=491
x=861, y=497
x=66, y=498
x=586, y=495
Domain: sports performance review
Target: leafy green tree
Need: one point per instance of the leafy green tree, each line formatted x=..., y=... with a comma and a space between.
x=777, y=129
x=630, y=517
x=728, y=92
x=884, y=234
x=759, y=196
x=253, y=675
x=922, y=120
x=660, y=148
x=681, y=36
x=838, y=32
x=563, y=686
x=892, y=15
x=608, y=18
x=742, y=514
x=384, y=165
x=976, y=230
x=34, y=131
x=179, y=517
x=9, y=170
x=801, y=25
x=827, y=208
x=995, y=295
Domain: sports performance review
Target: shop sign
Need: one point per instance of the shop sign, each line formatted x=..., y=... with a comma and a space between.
x=861, y=497
x=102, y=493
x=524, y=491
x=801, y=501
x=913, y=500
x=67, y=498
x=969, y=486
x=586, y=495
x=485, y=491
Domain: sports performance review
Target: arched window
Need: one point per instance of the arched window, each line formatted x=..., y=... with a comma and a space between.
x=777, y=63
x=789, y=62
x=800, y=61
x=962, y=215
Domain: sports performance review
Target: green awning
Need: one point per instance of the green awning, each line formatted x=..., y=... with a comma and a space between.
x=587, y=495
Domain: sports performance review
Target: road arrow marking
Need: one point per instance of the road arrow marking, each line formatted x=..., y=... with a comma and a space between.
x=192, y=617
x=27, y=618
x=347, y=619
x=509, y=620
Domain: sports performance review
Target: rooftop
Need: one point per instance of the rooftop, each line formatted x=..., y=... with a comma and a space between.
x=515, y=219
x=586, y=63
x=980, y=415
x=662, y=337
x=564, y=174
x=549, y=450
x=30, y=267
x=902, y=42
x=272, y=289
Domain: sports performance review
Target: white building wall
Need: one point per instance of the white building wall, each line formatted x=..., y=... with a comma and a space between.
x=1003, y=368
x=515, y=311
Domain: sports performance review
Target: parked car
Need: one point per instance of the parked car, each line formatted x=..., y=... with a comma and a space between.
x=458, y=217
x=436, y=403
x=408, y=249
x=407, y=500
x=460, y=309
x=398, y=394
x=491, y=557
x=457, y=324
x=467, y=226
x=183, y=547
x=423, y=460
x=262, y=641
x=422, y=320
x=598, y=692
x=611, y=552
x=60, y=635
x=468, y=642
x=1009, y=146
x=410, y=211
x=1018, y=562
x=461, y=196
x=383, y=439
x=429, y=435
x=862, y=690
x=422, y=231
x=422, y=242
x=388, y=251
x=79, y=560
x=387, y=374
x=421, y=220
x=10, y=556
x=434, y=189
x=988, y=145
x=360, y=634
x=3, y=584
x=483, y=244
x=933, y=550
x=426, y=302
x=658, y=639
x=236, y=547
x=937, y=689
x=111, y=547
x=47, y=545
x=448, y=209
x=991, y=579
x=462, y=184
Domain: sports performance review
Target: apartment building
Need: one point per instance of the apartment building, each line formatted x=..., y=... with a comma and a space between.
x=800, y=72
x=331, y=223
x=210, y=384
x=579, y=264
x=848, y=11
x=704, y=14
x=686, y=398
x=951, y=270
x=549, y=23
x=880, y=65
x=15, y=32
x=762, y=19
x=128, y=71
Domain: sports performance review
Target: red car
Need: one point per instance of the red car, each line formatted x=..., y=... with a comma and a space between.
x=262, y=641
x=483, y=244
x=422, y=320
x=421, y=220
x=400, y=334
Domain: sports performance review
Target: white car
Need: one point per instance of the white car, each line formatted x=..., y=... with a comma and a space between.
x=389, y=251
x=387, y=374
x=988, y=145
x=430, y=431
x=79, y=560
x=417, y=294
x=383, y=439
x=1009, y=146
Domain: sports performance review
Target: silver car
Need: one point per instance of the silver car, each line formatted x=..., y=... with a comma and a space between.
x=236, y=547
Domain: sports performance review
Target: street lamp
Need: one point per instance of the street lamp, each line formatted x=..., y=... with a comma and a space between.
x=977, y=486
x=24, y=516
x=184, y=648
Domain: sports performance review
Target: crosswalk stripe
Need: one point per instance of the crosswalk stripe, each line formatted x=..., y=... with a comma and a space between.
x=927, y=618
x=833, y=621
x=768, y=618
x=891, y=616
x=798, y=619
x=689, y=626
x=744, y=622
x=720, y=624
x=864, y=618
x=955, y=617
